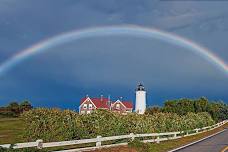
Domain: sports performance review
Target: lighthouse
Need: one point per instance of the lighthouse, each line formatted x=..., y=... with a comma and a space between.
x=140, y=105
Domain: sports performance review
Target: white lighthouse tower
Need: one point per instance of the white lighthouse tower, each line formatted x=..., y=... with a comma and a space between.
x=140, y=105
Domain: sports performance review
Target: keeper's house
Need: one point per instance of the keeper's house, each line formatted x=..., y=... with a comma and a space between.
x=88, y=105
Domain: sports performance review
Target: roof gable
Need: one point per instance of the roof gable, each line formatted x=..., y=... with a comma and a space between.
x=83, y=100
x=98, y=102
x=126, y=104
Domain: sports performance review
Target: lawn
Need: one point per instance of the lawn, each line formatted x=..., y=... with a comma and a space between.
x=11, y=130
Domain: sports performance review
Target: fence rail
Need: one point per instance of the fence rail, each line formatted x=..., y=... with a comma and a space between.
x=157, y=137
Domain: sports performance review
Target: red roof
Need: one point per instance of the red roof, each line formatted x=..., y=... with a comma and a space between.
x=99, y=102
x=127, y=104
x=103, y=102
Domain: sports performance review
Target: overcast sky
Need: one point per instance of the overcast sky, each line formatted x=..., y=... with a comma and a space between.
x=112, y=65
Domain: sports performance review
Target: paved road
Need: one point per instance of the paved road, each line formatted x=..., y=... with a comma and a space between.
x=213, y=144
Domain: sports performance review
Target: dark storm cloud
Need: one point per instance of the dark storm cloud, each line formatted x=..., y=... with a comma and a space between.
x=26, y=22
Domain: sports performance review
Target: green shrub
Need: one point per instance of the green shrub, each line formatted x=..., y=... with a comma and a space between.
x=104, y=123
x=57, y=125
x=52, y=124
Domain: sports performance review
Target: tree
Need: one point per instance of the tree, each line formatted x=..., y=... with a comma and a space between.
x=25, y=106
x=201, y=104
x=181, y=106
x=213, y=109
x=14, y=107
x=223, y=112
x=218, y=110
x=170, y=106
x=153, y=110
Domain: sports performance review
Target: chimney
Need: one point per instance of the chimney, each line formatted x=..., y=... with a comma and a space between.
x=109, y=101
x=109, y=98
x=101, y=97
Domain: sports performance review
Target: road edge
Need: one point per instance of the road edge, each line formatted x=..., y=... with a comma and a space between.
x=192, y=143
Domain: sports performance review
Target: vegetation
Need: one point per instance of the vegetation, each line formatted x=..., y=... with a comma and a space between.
x=57, y=125
x=14, y=109
x=153, y=110
x=161, y=147
x=217, y=110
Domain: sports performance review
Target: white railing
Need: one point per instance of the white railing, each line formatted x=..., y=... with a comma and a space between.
x=157, y=137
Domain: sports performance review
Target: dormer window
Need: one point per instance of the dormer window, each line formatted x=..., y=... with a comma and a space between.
x=85, y=106
x=117, y=106
x=90, y=106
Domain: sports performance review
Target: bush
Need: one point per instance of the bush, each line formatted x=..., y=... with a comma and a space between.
x=57, y=125
x=104, y=123
x=52, y=124
x=196, y=120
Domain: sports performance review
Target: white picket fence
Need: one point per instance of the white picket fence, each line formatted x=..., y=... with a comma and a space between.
x=156, y=137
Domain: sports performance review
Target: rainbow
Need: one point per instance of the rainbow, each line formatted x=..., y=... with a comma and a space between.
x=113, y=30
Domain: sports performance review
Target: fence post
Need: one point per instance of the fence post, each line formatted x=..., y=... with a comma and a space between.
x=158, y=139
x=39, y=144
x=187, y=133
x=197, y=130
x=132, y=136
x=175, y=135
x=98, y=143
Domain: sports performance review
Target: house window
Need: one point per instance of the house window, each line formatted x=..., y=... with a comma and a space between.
x=90, y=106
x=88, y=112
x=117, y=106
x=82, y=112
x=85, y=106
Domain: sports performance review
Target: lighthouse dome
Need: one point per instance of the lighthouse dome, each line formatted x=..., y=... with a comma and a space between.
x=140, y=87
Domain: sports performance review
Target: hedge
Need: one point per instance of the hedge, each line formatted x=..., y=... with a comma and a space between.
x=58, y=125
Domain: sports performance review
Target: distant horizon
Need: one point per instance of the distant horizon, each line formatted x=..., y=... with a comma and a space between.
x=75, y=107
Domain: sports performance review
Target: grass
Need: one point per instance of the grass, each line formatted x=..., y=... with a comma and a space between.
x=11, y=130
